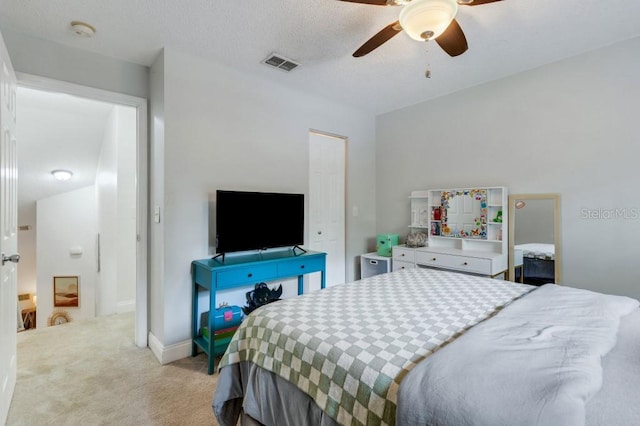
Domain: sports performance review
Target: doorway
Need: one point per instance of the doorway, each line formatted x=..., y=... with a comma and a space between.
x=115, y=228
x=327, y=170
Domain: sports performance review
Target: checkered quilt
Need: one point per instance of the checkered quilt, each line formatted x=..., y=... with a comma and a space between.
x=349, y=346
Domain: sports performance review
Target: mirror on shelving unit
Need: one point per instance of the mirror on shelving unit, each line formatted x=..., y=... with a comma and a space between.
x=534, y=238
x=464, y=213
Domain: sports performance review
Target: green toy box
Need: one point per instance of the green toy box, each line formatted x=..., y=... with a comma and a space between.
x=385, y=242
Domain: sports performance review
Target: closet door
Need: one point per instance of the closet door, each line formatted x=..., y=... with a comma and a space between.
x=327, y=161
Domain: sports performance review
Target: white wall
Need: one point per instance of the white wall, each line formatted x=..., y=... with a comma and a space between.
x=569, y=127
x=156, y=199
x=223, y=129
x=126, y=210
x=52, y=60
x=65, y=221
x=107, y=226
x=116, y=214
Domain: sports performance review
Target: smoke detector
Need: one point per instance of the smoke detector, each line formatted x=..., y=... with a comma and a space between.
x=82, y=29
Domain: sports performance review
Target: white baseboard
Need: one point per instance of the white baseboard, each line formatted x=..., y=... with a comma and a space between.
x=128, y=306
x=168, y=354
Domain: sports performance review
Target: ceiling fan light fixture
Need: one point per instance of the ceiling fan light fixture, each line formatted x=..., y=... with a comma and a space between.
x=427, y=19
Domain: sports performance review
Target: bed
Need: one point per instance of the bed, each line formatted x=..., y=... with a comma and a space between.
x=538, y=265
x=422, y=346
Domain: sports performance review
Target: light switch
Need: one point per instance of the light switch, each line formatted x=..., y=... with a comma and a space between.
x=156, y=214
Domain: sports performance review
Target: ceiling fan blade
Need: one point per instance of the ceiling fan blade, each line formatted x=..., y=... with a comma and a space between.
x=377, y=40
x=475, y=2
x=374, y=2
x=452, y=40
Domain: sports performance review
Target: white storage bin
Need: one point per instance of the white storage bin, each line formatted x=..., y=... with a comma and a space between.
x=372, y=264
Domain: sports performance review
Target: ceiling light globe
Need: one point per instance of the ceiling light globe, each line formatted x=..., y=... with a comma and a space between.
x=62, y=175
x=427, y=19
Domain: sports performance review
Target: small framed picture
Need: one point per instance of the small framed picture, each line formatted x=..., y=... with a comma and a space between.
x=65, y=291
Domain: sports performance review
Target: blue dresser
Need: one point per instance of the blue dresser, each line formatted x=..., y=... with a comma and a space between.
x=245, y=271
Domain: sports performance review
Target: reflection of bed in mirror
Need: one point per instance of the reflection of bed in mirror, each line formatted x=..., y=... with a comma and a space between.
x=538, y=263
x=535, y=243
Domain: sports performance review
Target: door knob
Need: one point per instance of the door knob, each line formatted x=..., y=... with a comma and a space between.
x=15, y=258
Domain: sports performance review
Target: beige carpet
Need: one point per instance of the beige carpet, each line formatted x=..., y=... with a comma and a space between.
x=90, y=373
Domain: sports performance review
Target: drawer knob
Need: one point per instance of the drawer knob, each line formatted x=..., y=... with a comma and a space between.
x=301, y=266
x=465, y=263
x=249, y=275
x=434, y=259
x=402, y=254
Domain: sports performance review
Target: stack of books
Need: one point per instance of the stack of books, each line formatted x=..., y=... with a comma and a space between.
x=221, y=338
x=219, y=334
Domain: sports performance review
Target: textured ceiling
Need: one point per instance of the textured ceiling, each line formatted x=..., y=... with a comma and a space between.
x=504, y=38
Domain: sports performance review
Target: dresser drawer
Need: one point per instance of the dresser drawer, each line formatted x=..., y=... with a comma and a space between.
x=300, y=266
x=246, y=275
x=459, y=263
x=397, y=265
x=471, y=264
x=429, y=259
x=403, y=254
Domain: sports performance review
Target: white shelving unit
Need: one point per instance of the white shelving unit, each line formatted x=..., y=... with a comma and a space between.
x=467, y=231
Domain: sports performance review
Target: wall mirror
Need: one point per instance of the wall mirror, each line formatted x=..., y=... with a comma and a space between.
x=464, y=213
x=534, y=238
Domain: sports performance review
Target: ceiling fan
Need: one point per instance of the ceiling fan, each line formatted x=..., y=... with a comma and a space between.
x=423, y=20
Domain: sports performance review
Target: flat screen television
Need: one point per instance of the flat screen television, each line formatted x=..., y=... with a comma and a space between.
x=258, y=220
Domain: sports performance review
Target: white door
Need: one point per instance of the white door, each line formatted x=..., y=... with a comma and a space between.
x=8, y=232
x=327, y=160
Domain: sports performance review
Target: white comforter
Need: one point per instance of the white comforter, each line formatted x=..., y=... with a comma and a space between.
x=537, y=250
x=535, y=363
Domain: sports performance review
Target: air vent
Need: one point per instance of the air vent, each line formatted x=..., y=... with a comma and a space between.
x=280, y=62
